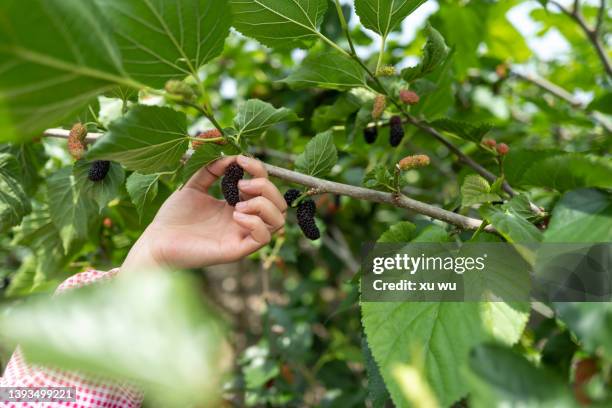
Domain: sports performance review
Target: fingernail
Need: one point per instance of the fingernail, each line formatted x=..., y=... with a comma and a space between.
x=243, y=160
x=240, y=206
x=244, y=183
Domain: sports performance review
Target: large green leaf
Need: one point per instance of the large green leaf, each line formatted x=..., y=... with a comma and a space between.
x=254, y=117
x=70, y=211
x=163, y=39
x=142, y=189
x=435, y=53
x=464, y=130
x=383, y=16
x=591, y=322
x=512, y=225
x=86, y=329
x=499, y=377
x=56, y=55
x=148, y=139
x=443, y=333
x=581, y=216
x=476, y=190
x=330, y=70
x=319, y=157
x=14, y=203
x=31, y=158
x=280, y=23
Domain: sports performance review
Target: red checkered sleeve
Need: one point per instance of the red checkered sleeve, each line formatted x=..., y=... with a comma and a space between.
x=91, y=391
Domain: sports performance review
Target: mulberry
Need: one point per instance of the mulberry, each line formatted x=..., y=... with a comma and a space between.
x=209, y=134
x=489, y=143
x=98, y=170
x=76, y=141
x=229, y=184
x=396, y=134
x=380, y=103
x=292, y=195
x=503, y=149
x=413, y=162
x=409, y=97
x=370, y=134
x=305, y=216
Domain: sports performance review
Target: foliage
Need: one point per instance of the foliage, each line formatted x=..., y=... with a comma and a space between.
x=294, y=83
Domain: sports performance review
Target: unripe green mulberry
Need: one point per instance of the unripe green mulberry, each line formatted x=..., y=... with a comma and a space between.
x=370, y=134
x=396, y=133
x=98, y=170
x=229, y=185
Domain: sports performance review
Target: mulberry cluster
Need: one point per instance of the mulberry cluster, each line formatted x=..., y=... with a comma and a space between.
x=396, y=133
x=370, y=134
x=76, y=141
x=229, y=185
x=209, y=134
x=305, y=213
x=305, y=216
x=98, y=170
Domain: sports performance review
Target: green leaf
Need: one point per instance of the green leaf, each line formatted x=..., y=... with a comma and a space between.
x=379, y=178
x=280, y=23
x=591, y=322
x=31, y=158
x=57, y=55
x=142, y=189
x=254, y=117
x=501, y=377
x=435, y=53
x=143, y=305
x=148, y=139
x=327, y=115
x=14, y=203
x=510, y=224
x=70, y=211
x=396, y=329
x=602, y=103
x=377, y=391
x=583, y=215
x=464, y=130
x=329, y=70
x=383, y=16
x=319, y=157
x=205, y=155
x=401, y=232
x=101, y=192
x=477, y=190
x=163, y=39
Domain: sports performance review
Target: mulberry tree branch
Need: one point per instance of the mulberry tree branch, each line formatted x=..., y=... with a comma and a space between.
x=327, y=186
x=592, y=34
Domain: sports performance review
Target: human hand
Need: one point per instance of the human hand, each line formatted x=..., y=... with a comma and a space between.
x=194, y=229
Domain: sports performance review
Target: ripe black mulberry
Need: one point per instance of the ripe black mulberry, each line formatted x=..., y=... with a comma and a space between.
x=229, y=184
x=305, y=216
x=370, y=134
x=98, y=170
x=292, y=195
x=396, y=133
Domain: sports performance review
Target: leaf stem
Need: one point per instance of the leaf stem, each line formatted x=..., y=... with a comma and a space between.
x=381, y=54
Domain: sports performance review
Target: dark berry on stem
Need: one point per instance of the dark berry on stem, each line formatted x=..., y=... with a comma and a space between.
x=98, y=170
x=370, y=134
x=292, y=195
x=309, y=228
x=396, y=132
x=229, y=184
x=306, y=209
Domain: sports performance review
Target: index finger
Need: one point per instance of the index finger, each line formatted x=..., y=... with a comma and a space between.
x=204, y=178
x=252, y=166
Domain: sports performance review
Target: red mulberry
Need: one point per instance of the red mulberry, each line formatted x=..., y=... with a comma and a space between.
x=76, y=141
x=409, y=97
x=380, y=103
x=503, y=149
x=229, y=184
x=209, y=134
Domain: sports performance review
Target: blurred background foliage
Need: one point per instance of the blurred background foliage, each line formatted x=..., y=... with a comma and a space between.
x=292, y=309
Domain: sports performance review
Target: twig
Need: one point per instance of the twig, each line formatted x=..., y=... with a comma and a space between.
x=593, y=34
x=562, y=94
x=326, y=186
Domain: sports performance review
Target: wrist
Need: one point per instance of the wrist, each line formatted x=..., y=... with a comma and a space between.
x=142, y=256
